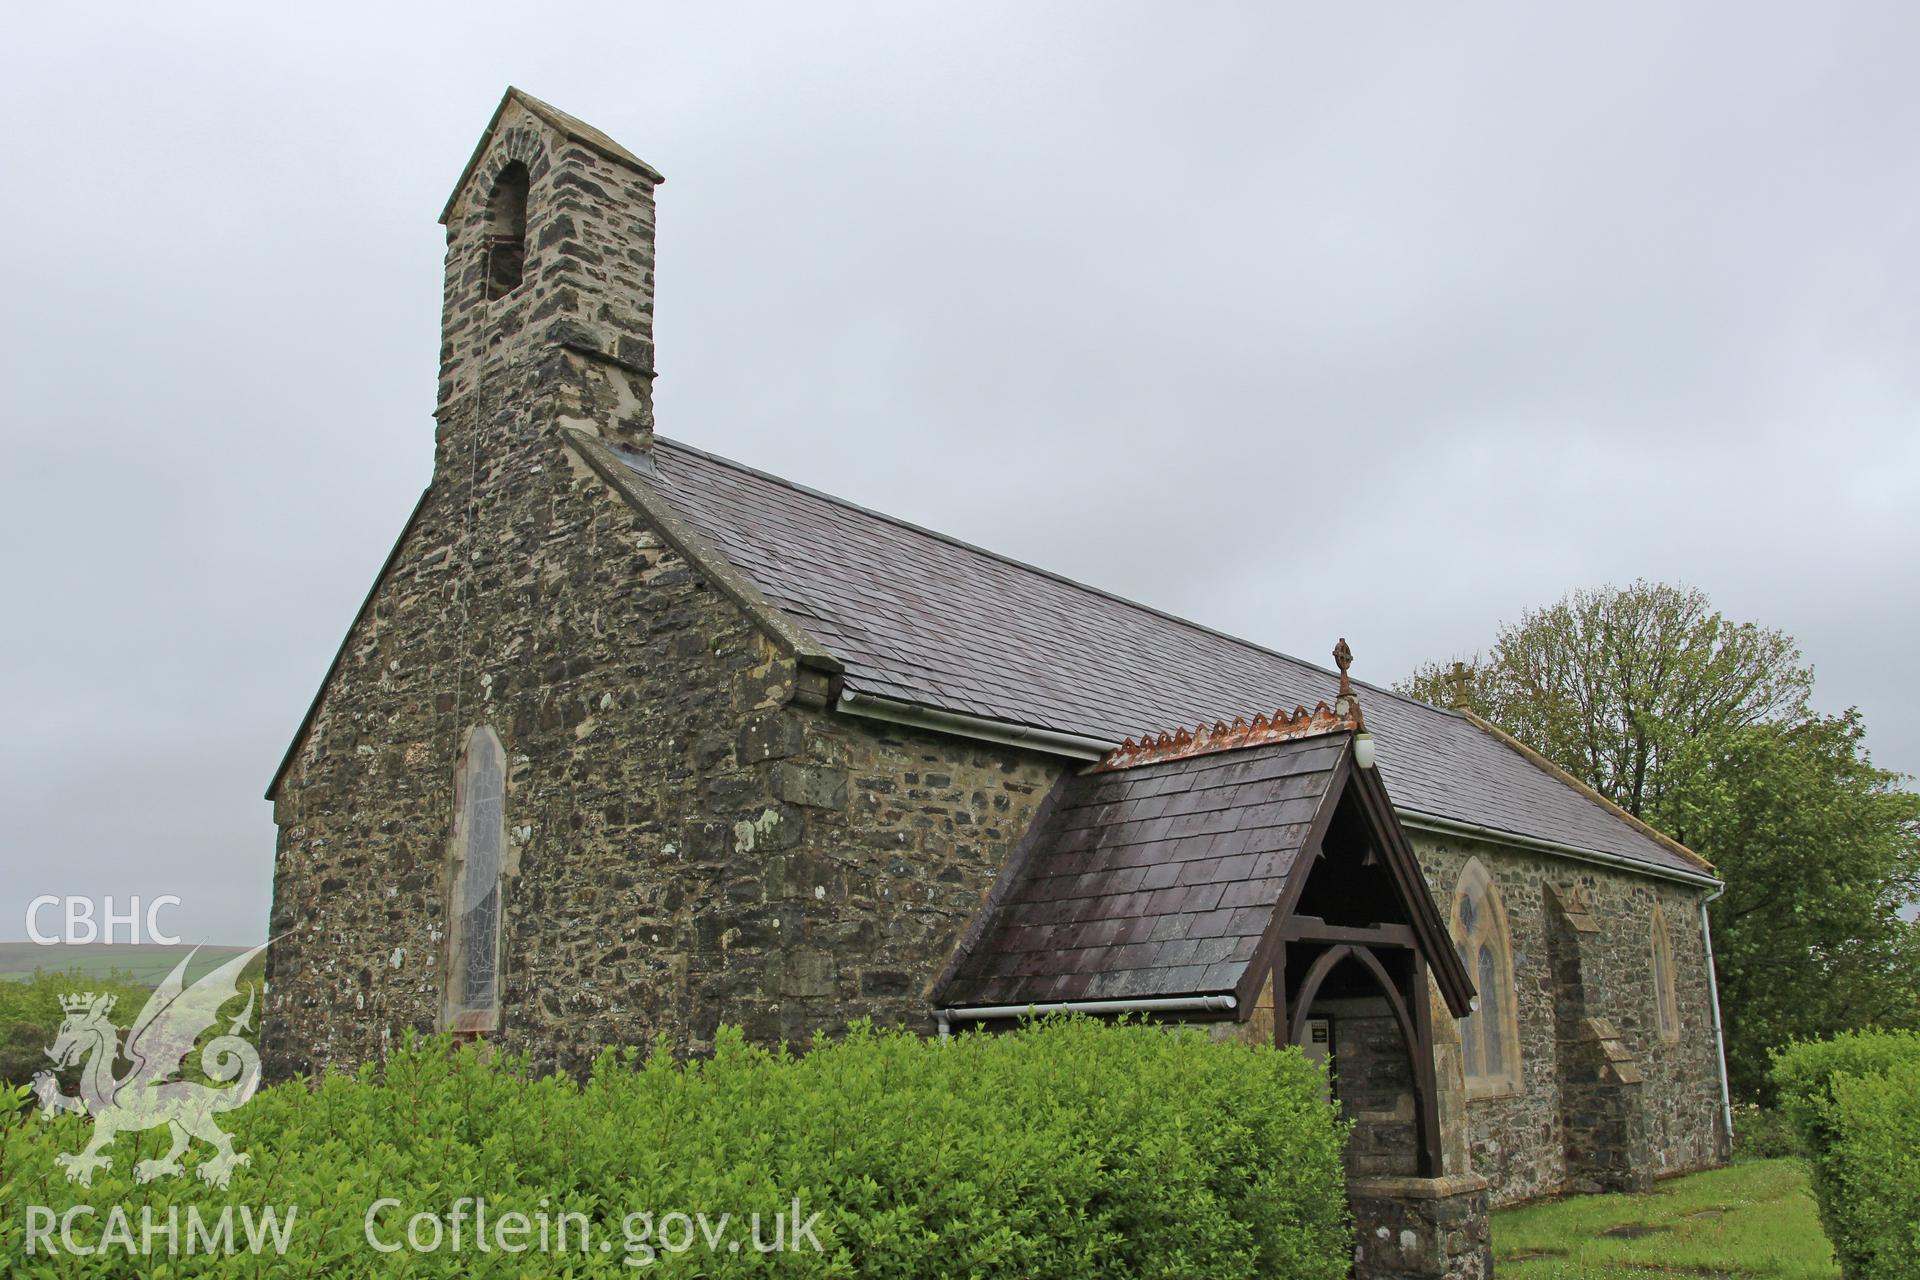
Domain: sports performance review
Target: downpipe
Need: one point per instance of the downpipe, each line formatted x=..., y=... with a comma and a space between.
x=1719, y=1035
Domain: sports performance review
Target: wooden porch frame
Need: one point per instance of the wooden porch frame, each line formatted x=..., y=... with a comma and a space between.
x=1410, y=1012
x=1425, y=939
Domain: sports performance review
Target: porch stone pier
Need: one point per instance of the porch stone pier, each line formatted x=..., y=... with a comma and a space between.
x=1421, y=1228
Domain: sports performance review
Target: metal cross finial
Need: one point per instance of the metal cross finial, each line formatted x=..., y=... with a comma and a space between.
x=1343, y=658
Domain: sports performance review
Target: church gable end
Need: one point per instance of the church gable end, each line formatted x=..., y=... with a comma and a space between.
x=687, y=838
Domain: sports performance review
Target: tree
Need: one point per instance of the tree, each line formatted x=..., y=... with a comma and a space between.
x=1613, y=684
x=1701, y=727
x=1820, y=850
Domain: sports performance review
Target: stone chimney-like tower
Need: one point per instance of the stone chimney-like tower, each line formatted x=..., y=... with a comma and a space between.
x=548, y=311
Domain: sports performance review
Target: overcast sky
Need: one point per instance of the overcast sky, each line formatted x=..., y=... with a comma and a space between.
x=1301, y=320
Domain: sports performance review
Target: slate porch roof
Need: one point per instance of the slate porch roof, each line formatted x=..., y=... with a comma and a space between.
x=925, y=619
x=1158, y=880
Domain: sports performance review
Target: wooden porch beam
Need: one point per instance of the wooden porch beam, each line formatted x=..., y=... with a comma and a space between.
x=1314, y=929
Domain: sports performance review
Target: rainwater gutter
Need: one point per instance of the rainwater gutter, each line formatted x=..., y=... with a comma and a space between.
x=1450, y=826
x=1051, y=741
x=1162, y=1004
x=1074, y=746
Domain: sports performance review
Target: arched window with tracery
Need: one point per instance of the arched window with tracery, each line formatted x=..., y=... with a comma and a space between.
x=1666, y=1003
x=1490, y=1036
x=479, y=834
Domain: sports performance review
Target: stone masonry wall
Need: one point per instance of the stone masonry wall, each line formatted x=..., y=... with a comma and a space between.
x=1421, y=1229
x=1374, y=1081
x=686, y=845
x=1518, y=1142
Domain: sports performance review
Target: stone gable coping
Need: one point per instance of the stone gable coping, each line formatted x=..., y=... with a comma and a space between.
x=626, y=481
x=574, y=130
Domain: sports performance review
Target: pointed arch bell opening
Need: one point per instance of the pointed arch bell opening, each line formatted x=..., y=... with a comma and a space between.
x=507, y=229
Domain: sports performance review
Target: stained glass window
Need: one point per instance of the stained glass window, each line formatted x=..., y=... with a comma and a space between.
x=1489, y=1037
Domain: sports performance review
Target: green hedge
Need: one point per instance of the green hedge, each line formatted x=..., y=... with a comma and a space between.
x=30, y=1015
x=1069, y=1148
x=1854, y=1102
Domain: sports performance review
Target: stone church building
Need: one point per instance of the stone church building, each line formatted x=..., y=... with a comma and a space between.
x=631, y=739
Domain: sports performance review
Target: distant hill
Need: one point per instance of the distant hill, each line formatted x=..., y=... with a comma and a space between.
x=142, y=963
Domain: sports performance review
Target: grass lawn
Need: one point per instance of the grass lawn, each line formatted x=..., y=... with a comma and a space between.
x=1754, y=1218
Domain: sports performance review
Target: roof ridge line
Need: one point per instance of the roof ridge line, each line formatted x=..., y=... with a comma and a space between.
x=1003, y=558
x=1220, y=736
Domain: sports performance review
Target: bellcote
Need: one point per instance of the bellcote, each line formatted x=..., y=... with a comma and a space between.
x=550, y=251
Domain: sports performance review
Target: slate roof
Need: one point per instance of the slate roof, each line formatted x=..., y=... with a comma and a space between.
x=925, y=619
x=1157, y=880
